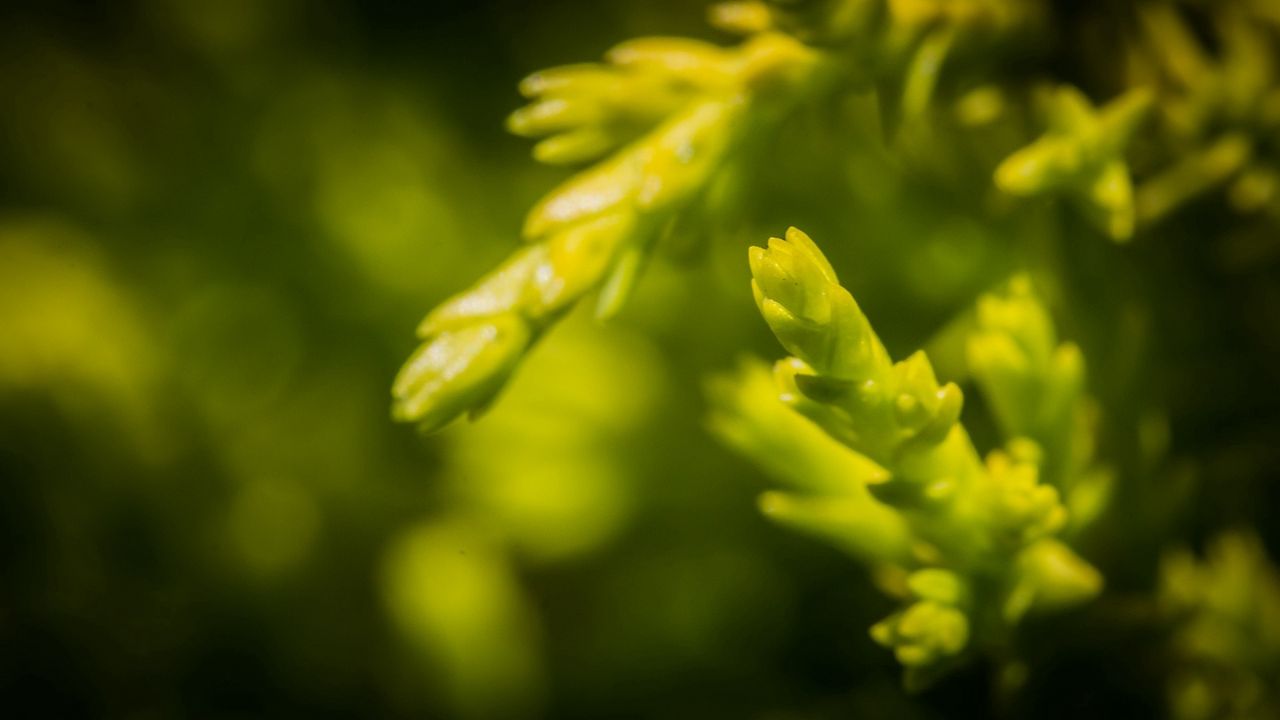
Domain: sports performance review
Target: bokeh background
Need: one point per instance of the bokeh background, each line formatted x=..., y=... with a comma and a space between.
x=220, y=222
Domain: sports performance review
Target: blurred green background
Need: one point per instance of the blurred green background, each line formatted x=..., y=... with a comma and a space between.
x=219, y=224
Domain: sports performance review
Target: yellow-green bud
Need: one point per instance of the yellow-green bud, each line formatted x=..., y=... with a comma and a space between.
x=812, y=315
x=459, y=370
x=1051, y=576
x=924, y=633
x=940, y=586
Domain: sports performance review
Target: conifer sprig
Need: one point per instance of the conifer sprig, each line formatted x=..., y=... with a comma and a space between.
x=1082, y=156
x=977, y=544
x=594, y=231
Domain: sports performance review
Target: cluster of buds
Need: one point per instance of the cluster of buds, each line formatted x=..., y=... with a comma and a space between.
x=1225, y=615
x=935, y=626
x=1035, y=387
